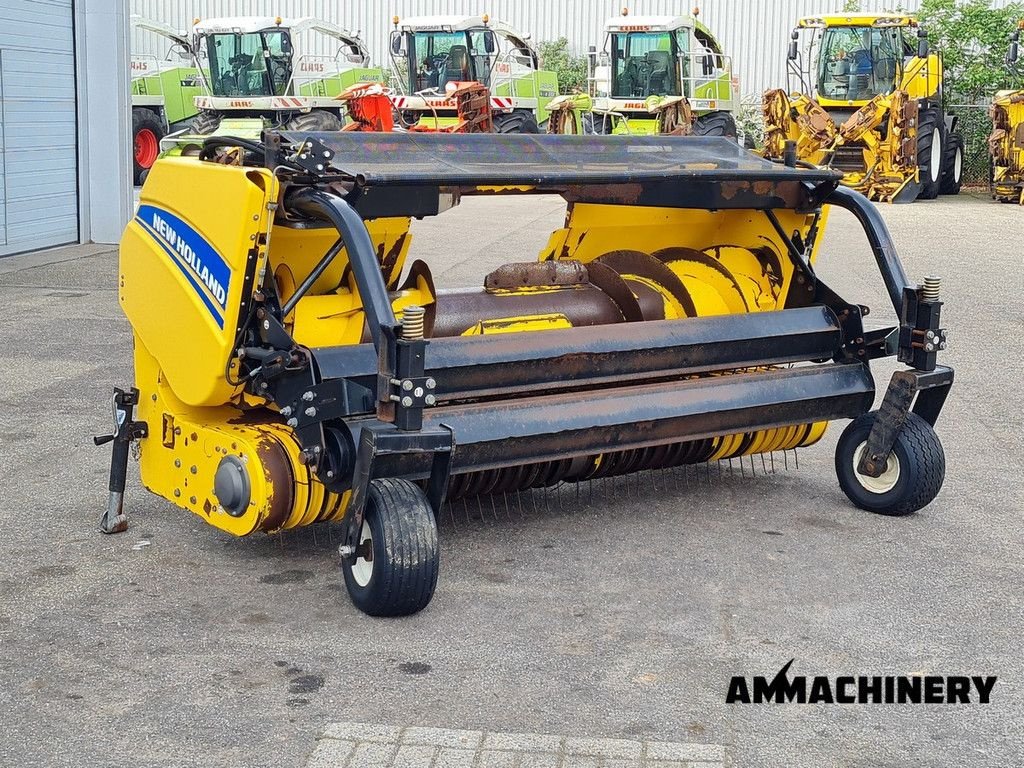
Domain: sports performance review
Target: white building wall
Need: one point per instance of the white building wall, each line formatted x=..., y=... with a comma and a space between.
x=754, y=32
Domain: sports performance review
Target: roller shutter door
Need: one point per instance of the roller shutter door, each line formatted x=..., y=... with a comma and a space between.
x=38, y=127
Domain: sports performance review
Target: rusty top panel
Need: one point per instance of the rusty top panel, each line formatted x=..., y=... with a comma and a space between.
x=550, y=161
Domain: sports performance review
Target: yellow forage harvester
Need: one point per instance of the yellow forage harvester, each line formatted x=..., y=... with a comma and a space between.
x=294, y=363
x=1006, y=144
x=866, y=98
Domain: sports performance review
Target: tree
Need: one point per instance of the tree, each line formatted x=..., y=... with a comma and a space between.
x=571, y=70
x=973, y=38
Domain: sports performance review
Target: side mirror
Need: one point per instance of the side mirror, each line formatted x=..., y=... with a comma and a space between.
x=794, y=39
x=603, y=60
x=490, y=44
x=1014, y=53
x=397, y=49
x=922, y=43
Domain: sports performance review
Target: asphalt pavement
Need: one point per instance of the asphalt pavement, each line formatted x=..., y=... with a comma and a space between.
x=619, y=615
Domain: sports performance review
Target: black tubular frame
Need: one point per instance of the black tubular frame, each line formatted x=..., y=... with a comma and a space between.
x=423, y=409
x=328, y=207
x=882, y=246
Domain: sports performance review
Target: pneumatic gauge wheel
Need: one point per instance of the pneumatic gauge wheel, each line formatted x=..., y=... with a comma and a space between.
x=394, y=569
x=913, y=473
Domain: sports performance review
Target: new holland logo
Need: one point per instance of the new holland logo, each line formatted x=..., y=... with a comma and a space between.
x=861, y=689
x=201, y=265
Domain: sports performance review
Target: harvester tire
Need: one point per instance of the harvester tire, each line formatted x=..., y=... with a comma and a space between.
x=516, y=122
x=953, y=165
x=205, y=122
x=400, y=576
x=147, y=130
x=315, y=120
x=597, y=125
x=929, y=157
x=716, y=124
x=914, y=471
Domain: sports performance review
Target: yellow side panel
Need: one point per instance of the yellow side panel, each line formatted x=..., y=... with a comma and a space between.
x=922, y=77
x=294, y=252
x=188, y=259
x=594, y=230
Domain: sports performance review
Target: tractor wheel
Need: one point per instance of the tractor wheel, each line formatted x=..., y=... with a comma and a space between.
x=147, y=130
x=929, y=153
x=394, y=572
x=715, y=124
x=913, y=474
x=205, y=122
x=596, y=124
x=516, y=122
x=315, y=120
x=953, y=165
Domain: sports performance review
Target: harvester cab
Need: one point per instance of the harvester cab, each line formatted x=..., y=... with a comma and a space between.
x=265, y=69
x=313, y=373
x=866, y=99
x=432, y=55
x=163, y=92
x=1006, y=144
x=661, y=74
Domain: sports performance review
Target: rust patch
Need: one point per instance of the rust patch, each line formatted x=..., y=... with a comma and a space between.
x=278, y=473
x=732, y=188
x=510, y=277
x=390, y=259
x=612, y=194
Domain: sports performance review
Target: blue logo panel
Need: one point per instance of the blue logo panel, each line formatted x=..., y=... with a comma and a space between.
x=205, y=270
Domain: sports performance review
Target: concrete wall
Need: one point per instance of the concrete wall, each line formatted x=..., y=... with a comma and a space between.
x=104, y=120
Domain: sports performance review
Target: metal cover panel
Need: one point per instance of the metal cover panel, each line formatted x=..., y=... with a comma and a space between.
x=393, y=159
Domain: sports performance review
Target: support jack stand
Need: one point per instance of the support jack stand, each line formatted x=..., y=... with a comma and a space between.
x=125, y=432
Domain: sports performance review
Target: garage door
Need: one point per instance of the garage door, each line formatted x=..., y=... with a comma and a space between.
x=38, y=165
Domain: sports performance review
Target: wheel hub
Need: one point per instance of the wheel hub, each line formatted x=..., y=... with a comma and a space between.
x=146, y=148
x=935, y=168
x=886, y=481
x=362, y=566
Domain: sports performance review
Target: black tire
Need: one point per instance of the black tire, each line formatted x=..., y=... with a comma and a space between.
x=402, y=572
x=147, y=130
x=516, y=122
x=953, y=165
x=716, y=124
x=929, y=128
x=598, y=125
x=205, y=122
x=315, y=120
x=918, y=472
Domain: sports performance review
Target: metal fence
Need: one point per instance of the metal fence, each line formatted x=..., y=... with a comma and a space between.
x=974, y=124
